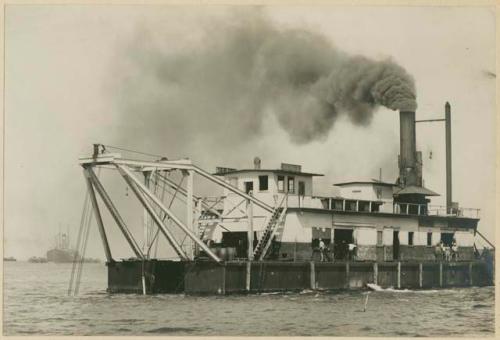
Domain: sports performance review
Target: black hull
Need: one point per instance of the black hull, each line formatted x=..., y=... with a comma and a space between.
x=231, y=277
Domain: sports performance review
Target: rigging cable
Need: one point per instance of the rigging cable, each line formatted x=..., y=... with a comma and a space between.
x=80, y=231
x=81, y=246
x=162, y=215
x=132, y=151
x=165, y=215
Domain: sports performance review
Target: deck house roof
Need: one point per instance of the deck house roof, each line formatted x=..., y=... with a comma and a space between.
x=275, y=171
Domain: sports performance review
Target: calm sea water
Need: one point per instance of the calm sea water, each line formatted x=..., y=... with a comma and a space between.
x=36, y=302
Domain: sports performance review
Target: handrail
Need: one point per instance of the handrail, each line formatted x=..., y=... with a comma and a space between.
x=484, y=238
x=406, y=208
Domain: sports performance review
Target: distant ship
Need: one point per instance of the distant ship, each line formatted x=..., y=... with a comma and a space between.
x=62, y=253
x=36, y=259
x=9, y=259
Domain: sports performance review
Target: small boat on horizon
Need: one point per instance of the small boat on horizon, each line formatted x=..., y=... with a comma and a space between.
x=36, y=259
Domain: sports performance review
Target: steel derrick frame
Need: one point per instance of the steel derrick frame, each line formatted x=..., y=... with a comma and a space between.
x=126, y=173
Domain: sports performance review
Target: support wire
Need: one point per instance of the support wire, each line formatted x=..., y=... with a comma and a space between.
x=81, y=246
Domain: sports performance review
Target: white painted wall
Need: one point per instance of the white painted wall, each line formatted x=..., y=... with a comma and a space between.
x=366, y=236
x=366, y=191
x=464, y=238
x=388, y=236
x=296, y=231
x=403, y=237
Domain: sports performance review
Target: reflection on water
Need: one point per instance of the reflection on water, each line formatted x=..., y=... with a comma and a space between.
x=35, y=302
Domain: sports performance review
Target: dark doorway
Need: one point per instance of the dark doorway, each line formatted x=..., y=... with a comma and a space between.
x=239, y=241
x=248, y=187
x=341, y=240
x=302, y=188
x=395, y=245
x=447, y=239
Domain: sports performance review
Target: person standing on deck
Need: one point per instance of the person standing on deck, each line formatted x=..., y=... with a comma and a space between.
x=352, y=250
x=454, y=250
x=322, y=250
x=443, y=251
x=438, y=251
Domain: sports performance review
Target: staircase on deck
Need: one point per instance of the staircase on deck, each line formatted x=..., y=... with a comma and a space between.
x=266, y=239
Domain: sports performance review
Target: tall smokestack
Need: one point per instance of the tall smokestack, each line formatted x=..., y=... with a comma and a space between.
x=447, y=117
x=408, y=153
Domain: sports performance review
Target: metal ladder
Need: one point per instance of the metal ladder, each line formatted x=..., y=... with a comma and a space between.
x=202, y=230
x=265, y=241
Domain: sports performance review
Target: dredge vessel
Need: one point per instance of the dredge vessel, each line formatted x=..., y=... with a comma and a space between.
x=269, y=232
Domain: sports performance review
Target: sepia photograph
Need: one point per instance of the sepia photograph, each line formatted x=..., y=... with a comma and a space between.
x=208, y=169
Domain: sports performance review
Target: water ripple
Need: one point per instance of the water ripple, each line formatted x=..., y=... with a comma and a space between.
x=30, y=310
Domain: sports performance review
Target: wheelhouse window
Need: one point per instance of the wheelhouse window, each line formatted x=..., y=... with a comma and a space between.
x=291, y=185
x=429, y=239
x=410, y=238
x=263, y=183
x=281, y=183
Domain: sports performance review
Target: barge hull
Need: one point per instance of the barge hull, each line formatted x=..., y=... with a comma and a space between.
x=270, y=276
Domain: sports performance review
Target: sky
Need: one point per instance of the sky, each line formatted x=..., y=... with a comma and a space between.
x=168, y=80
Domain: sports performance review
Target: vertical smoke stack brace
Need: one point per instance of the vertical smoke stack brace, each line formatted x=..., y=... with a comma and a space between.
x=408, y=173
x=449, y=201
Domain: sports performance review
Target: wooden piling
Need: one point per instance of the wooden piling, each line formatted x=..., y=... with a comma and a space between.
x=420, y=278
x=223, y=283
x=470, y=273
x=347, y=283
x=399, y=274
x=375, y=273
x=440, y=274
x=313, y=275
x=248, y=276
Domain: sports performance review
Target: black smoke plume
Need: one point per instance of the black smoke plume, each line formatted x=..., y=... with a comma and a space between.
x=220, y=88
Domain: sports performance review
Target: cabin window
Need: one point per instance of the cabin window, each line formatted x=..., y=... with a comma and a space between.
x=248, y=187
x=291, y=185
x=263, y=183
x=302, y=188
x=281, y=183
x=429, y=239
x=379, y=193
x=380, y=235
x=410, y=238
x=364, y=206
x=350, y=205
x=338, y=205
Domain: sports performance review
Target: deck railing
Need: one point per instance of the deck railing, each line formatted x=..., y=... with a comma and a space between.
x=343, y=204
